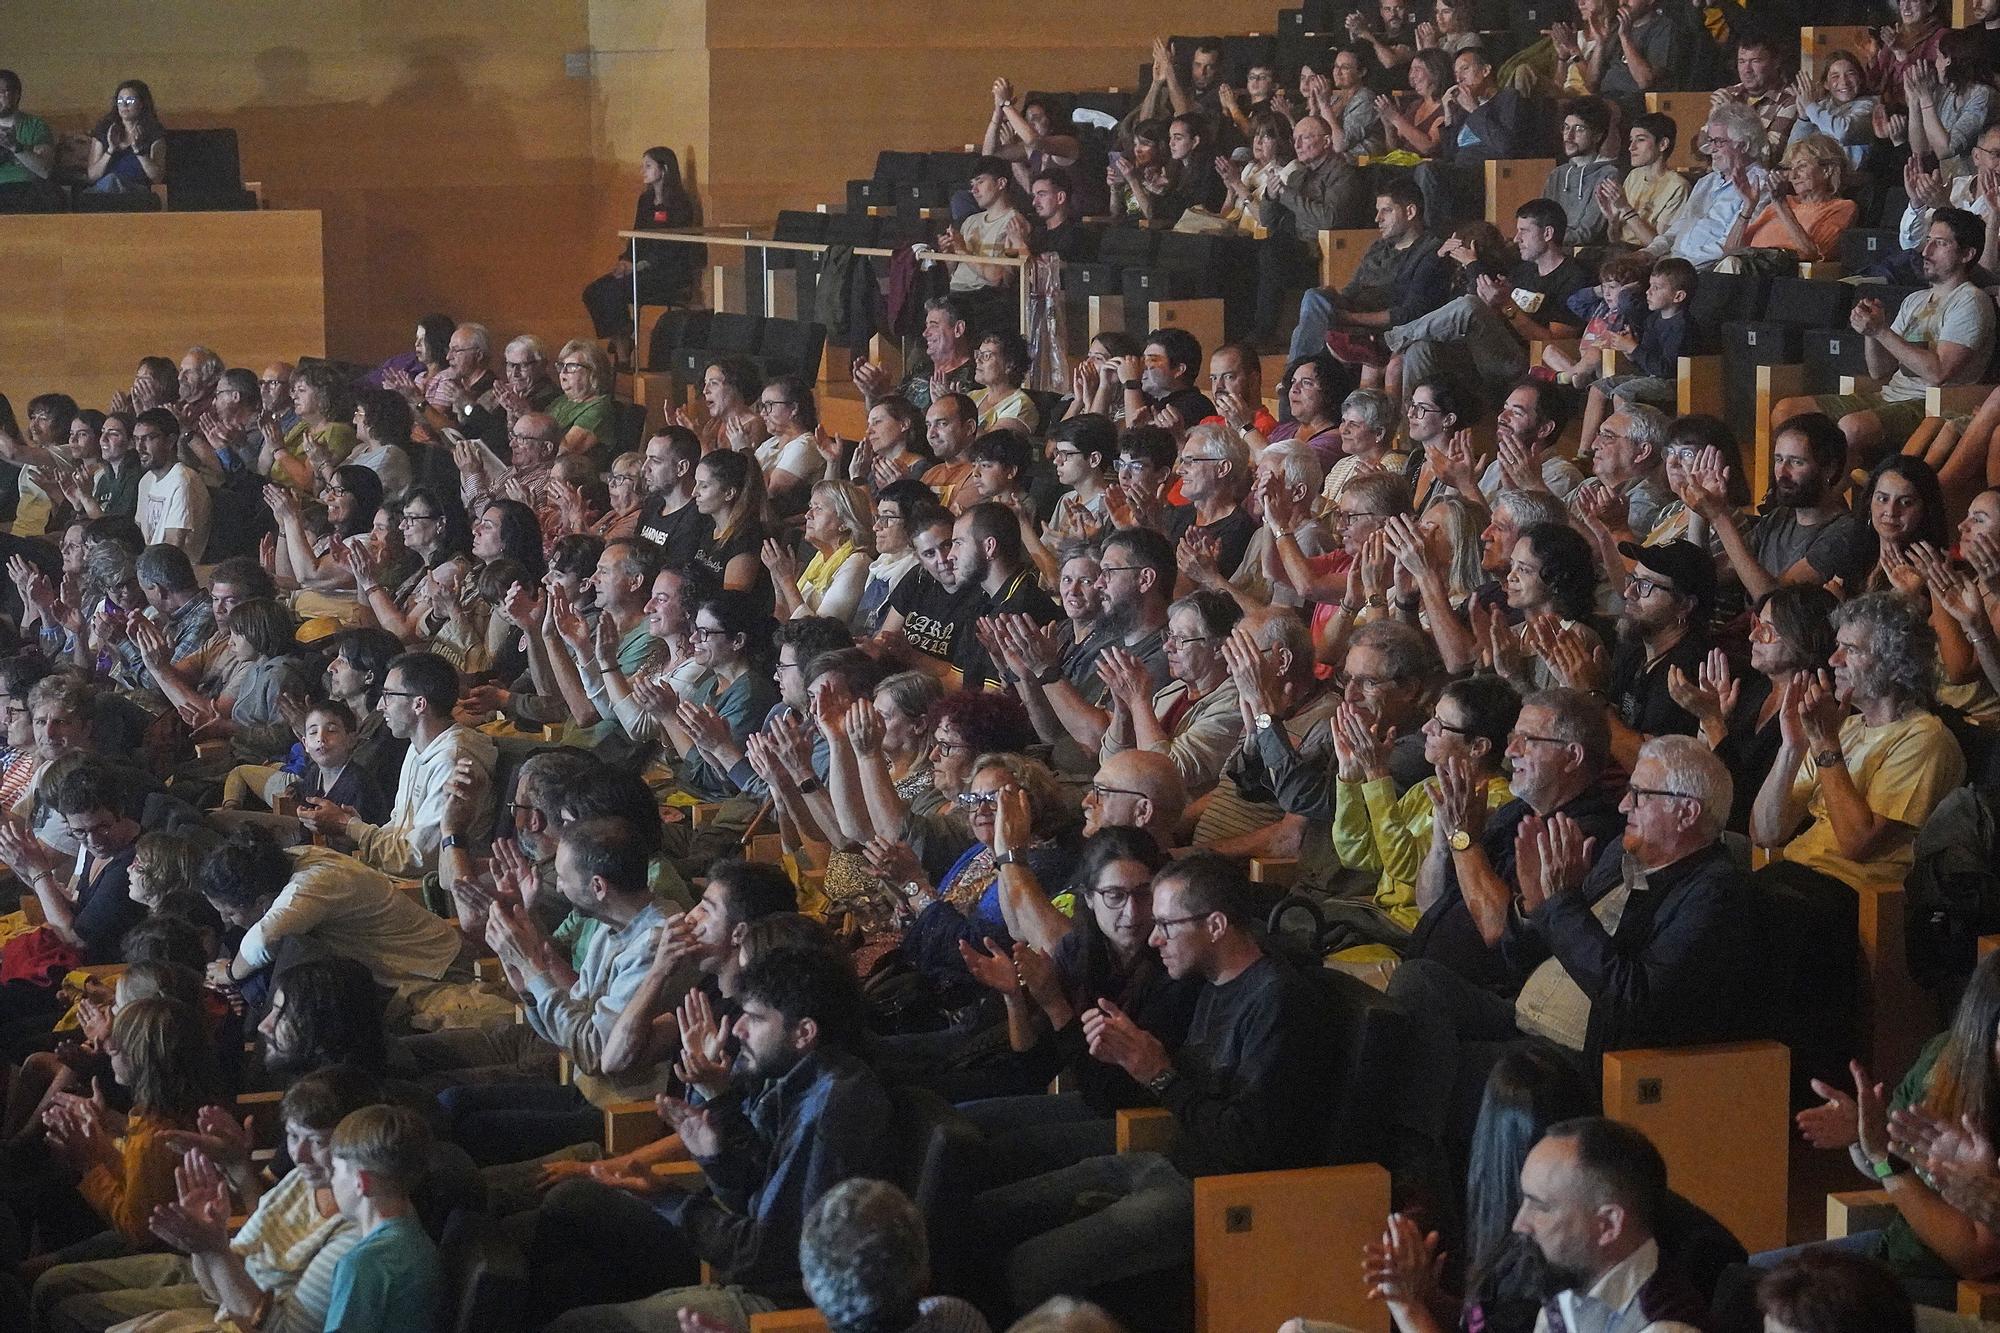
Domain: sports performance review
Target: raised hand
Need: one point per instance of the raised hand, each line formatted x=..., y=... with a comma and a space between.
x=704, y=1061
x=1403, y=1268
x=1711, y=697
x=992, y=967
x=1367, y=745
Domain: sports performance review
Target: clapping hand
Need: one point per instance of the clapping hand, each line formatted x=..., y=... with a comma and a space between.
x=1403, y=1268
x=698, y=1132
x=1461, y=797
x=1868, y=317
x=1499, y=647
x=197, y=1222
x=1562, y=857
x=1361, y=747
x=992, y=967
x=1711, y=697
x=1115, y=1039
x=217, y=1136
x=1125, y=677
x=704, y=1060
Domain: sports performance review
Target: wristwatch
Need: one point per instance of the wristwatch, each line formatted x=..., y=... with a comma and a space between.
x=1010, y=857
x=1132, y=385
x=452, y=841
x=1263, y=721
x=1050, y=677
x=1160, y=1082
x=1832, y=758
x=808, y=785
x=1458, y=840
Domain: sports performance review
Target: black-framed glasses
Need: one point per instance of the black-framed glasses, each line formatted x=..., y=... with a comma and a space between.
x=767, y=405
x=1530, y=738
x=573, y=365
x=399, y=694
x=1115, y=899
x=1442, y=725
x=709, y=632
x=1417, y=409
x=1637, y=792
x=943, y=746
x=1639, y=586
x=1183, y=640
x=1165, y=924
x=420, y=518
x=1118, y=569
x=1100, y=791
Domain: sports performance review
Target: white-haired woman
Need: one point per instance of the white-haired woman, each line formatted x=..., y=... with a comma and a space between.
x=840, y=529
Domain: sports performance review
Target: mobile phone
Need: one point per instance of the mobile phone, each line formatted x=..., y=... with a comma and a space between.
x=1116, y=158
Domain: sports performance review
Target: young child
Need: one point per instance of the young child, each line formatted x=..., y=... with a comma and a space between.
x=391, y=1280
x=1655, y=353
x=1611, y=312
x=318, y=769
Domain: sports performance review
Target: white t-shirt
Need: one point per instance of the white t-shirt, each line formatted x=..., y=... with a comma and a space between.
x=1963, y=315
x=796, y=456
x=983, y=234
x=175, y=499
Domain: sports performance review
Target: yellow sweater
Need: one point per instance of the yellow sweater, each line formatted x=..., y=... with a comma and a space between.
x=126, y=1199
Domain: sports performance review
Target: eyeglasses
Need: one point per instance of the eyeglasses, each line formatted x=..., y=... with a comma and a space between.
x=1637, y=792
x=573, y=365
x=1100, y=791
x=1115, y=899
x=1529, y=738
x=1133, y=465
x=1369, y=683
x=976, y=800
x=1165, y=924
x=1763, y=631
x=767, y=404
x=420, y=518
x=1340, y=517
x=884, y=520
x=1118, y=569
x=1183, y=640
x=1636, y=586
x=1064, y=454
x=398, y=694
x=1189, y=460
x=943, y=746
x=528, y=439
x=706, y=632
x=274, y=384
x=1417, y=409
x=1442, y=725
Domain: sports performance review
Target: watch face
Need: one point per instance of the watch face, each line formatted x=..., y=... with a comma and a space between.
x=1460, y=840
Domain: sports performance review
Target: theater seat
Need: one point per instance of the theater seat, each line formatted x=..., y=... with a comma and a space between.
x=485, y=1277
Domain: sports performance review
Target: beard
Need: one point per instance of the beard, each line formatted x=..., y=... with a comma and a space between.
x=1120, y=617
x=1797, y=494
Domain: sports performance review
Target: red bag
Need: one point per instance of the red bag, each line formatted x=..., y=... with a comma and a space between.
x=39, y=957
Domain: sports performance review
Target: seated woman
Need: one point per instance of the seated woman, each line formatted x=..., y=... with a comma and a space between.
x=1194, y=718
x=128, y=147
x=728, y=419
x=1551, y=583
x=382, y=425
x=1249, y=189
x=839, y=527
x=1929, y=1244
x=586, y=412
x=729, y=492
x=1000, y=365
x=1838, y=105
x=892, y=741
x=320, y=437
x=1367, y=432
x=1412, y=121
x=1057, y=971
x=965, y=905
x=1374, y=829
x=790, y=462
x=427, y=379
x=1094, y=381
x=729, y=637
x=624, y=492
x=434, y=528
x=1791, y=635
x=352, y=499
x=1314, y=387
x=251, y=716
x=114, y=482
x=1807, y=221
x=893, y=447
x=662, y=272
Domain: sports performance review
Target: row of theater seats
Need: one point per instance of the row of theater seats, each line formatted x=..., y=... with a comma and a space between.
x=686, y=342
x=204, y=175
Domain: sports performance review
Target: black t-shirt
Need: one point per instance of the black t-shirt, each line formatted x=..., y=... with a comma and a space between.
x=1021, y=595
x=1070, y=241
x=1193, y=405
x=1544, y=297
x=1639, y=693
x=678, y=534
x=1232, y=534
x=932, y=616
x=747, y=539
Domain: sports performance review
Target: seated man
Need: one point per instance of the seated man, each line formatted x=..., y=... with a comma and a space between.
x=1483, y=122
x=1244, y=1091
x=379, y=1155
x=1400, y=278
x=1319, y=190
x=1652, y=194
x=985, y=292
x=1847, y=793
x=1735, y=185
x=1940, y=336
x=947, y=356
x=417, y=700
x=1574, y=183
x=1136, y=789
x=800, y=1114
x=1764, y=84
x=1467, y=884
x=27, y=150
x=1159, y=385
x=1649, y=941
x=332, y=902
x=929, y=611
x=600, y=871
x=1482, y=337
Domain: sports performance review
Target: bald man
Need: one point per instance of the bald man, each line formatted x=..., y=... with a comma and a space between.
x=1137, y=789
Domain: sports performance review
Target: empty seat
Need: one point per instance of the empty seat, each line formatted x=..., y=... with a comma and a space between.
x=796, y=225
x=204, y=172
x=863, y=195
x=1831, y=353
x=892, y=166
x=1864, y=247
x=790, y=347
x=953, y=168
x=735, y=333
x=675, y=328
x=1723, y=298
x=851, y=229
x=1118, y=249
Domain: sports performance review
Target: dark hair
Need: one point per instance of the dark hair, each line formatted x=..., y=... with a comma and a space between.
x=170, y=1055
x=92, y=784
x=991, y=521
x=121, y=530
x=1824, y=439
x=520, y=535
x=575, y=554
x=1104, y=848
x=799, y=394
x=248, y=866
x=164, y=938
x=389, y=417
x=910, y=495
x=62, y=408
x=1451, y=399
x=1802, y=613
x=1529, y=1090
x=430, y=678
x=336, y=710
x=1492, y=706
x=11, y=80
x=1702, y=431
x=331, y=385
x=619, y=793
x=1060, y=179
x=160, y=420
x=1552, y=400
x=609, y=848
x=150, y=127
x=1621, y=1162
x=1402, y=192
x=1661, y=126
x=740, y=374
x=322, y=1099
x=1094, y=436
x=1211, y=882
x=364, y=488
x=1923, y=479
x=241, y=572
x=369, y=650
x=1594, y=112
x=992, y=723
x=927, y=515
x=1567, y=567
x=755, y=890
x=1150, y=548
x=1965, y=51
x=809, y=983
x=1013, y=350
x=1680, y=274
x=739, y=473
x=264, y=624
x=1153, y=444
x=670, y=173
x=1546, y=214
x=1968, y=230
x=335, y=1012
x=1824, y=1290
x=1008, y=448
x=858, y=672
x=20, y=673
x=455, y=532
x=437, y=334
x=1181, y=348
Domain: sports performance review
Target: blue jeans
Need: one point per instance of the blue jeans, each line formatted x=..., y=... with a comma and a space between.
x=512, y=1122
x=1316, y=309
x=1147, y=1226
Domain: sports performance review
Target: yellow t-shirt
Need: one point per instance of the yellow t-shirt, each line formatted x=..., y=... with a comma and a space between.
x=1902, y=769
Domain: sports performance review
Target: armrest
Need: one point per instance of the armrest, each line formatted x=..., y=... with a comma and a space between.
x=1860, y=384
x=1822, y=270
x=1852, y=1212
x=1283, y=871
x=629, y=1125
x=1950, y=400
x=1611, y=361
x=1979, y=1300
x=788, y=1321
x=1146, y=1129
x=489, y=969
x=685, y=1169
x=1537, y=346
x=701, y=814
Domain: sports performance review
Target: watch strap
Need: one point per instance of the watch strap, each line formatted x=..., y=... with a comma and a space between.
x=453, y=840
x=1829, y=758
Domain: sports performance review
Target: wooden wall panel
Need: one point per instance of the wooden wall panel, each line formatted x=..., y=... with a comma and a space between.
x=103, y=290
